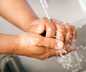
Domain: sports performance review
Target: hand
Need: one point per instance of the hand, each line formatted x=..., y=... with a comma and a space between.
x=66, y=34
x=41, y=25
x=36, y=46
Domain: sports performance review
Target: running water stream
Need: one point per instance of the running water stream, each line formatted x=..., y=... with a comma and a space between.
x=73, y=61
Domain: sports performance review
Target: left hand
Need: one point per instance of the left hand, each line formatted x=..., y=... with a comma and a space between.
x=41, y=25
x=66, y=34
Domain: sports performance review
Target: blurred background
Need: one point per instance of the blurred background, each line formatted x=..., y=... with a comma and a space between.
x=65, y=10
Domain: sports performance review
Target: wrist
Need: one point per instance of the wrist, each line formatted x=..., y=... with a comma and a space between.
x=22, y=47
x=22, y=41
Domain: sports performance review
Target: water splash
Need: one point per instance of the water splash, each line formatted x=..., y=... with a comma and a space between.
x=73, y=61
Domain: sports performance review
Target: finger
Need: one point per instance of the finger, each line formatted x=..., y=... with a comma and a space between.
x=50, y=28
x=60, y=39
x=47, y=42
x=49, y=53
x=60, y=36
x=70, y=36
x=55, y=52
x=69, y=48
x=74, y=32
x=55, y=22
x=54, y=26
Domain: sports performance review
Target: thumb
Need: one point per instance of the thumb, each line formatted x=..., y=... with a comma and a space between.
x=37, y=27
x=50, y=28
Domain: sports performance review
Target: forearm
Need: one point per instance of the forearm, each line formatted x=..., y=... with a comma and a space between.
x=18, y=12
x=8, y=43
x=11, y=44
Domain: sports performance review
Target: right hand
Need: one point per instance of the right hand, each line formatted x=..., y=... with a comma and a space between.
x=36, y=46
